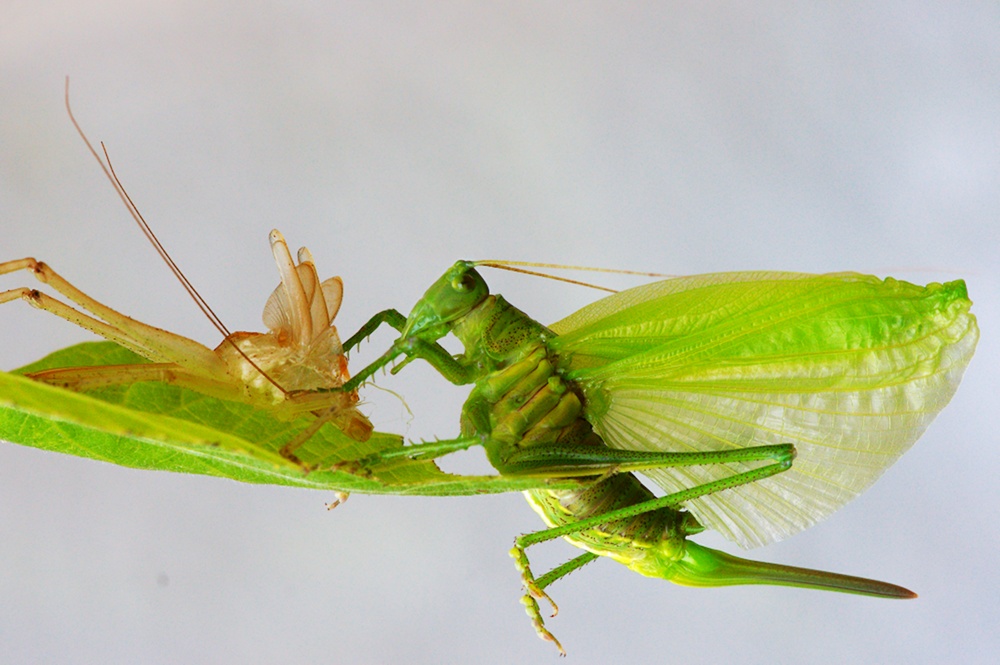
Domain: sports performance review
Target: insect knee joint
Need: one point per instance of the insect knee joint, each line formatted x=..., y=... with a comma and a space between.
x=40, y=269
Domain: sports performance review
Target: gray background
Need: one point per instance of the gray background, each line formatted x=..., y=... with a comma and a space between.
x=393, y=140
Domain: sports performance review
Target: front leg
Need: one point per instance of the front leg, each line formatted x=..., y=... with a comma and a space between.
x=390, y=316
x=451, y=368
x=456, y=370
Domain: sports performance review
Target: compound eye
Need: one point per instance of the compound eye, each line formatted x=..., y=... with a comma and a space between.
x=465, y=283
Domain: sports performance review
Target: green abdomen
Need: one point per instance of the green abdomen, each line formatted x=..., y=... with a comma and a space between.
x=648, y=543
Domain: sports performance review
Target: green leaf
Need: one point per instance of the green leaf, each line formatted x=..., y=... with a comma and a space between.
x=162, y=427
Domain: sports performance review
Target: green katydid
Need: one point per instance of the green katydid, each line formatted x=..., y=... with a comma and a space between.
x=710, y=386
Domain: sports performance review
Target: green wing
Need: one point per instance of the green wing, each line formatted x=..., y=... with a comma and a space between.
x=849, y=368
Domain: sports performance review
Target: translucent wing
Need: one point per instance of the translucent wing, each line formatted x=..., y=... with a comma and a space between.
x=849, y=368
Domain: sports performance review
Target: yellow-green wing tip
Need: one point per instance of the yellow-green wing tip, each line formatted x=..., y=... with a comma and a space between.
x=956, y=287
x=950, y=291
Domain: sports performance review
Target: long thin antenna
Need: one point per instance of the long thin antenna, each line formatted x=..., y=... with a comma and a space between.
x=506, y=265
x=495, y=263
x=109, y=172
x=518, y=266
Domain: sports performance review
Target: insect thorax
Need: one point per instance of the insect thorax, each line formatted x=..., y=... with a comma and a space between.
x=520, y=400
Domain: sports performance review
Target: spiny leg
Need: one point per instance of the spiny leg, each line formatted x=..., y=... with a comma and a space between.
x=534, y=587
x=148, y=341
x=565, y=569
x=397, y=321
x=49, y=304
x=435, y=354
x=208, y=379
x=550, y=461
x=439, y=357
x=82, y=379
x=391, y=316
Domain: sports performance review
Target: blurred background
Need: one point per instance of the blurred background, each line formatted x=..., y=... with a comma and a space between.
x=394, y=138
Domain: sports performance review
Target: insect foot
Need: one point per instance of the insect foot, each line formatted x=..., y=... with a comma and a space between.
x=338, y=498
x=534, y=592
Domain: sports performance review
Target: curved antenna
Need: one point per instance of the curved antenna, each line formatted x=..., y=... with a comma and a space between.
x=109, y=172
x=518, y=266
x=505, y=266
x=498, y=263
